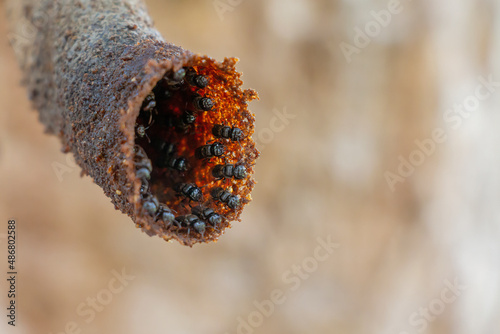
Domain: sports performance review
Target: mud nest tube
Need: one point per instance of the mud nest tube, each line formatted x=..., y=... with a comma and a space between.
x=165, y=132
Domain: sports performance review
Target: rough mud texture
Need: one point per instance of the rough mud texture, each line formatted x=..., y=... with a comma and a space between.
x=89, y=69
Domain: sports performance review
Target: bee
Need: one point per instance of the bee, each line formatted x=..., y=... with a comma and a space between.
x=208, y=214
x=191, y=191
x=140, y=153
x=165, y=214
x=143, y=173
x=150, y=205
x=208, y=151
x=163, y=147
x=224, y=131
x=142, y=163
x=176, y=163
x=141, y=130
x=192, y=221
x=185, y=120
x=228, y=171
x=224, y=196
x=168, y=159
x=141, y=159
x=181, y=122
x=188, y=118
x=175, y=80
x=203, y=103
x=149, y=103
x=179, y=75
x=194, y=79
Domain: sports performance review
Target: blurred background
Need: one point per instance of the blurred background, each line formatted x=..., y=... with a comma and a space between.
x=378, y=125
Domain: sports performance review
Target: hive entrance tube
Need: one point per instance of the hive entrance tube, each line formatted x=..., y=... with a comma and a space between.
x=166, y=133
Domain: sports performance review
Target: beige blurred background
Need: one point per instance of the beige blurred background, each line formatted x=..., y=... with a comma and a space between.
x=322, y=174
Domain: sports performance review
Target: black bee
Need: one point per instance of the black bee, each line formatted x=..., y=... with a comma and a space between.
x=179, y=75
x=144, y=163
x=185, y=120
x=163, y=147
x=191, y=191
x=173, y=81
x=177, y=163
x=143, y=173
x=150, y=205
x=224, y=196
x=229, y=171
x=208, y=151
x=140, y=128
x=203, y=103
x=194, y=79
x=141, y=160
x=149, y=103
x=208, y=214
x=140, y=153
x=168, y=159
x=188, y=118
x=199, y=81
x=192, y=221
x=165, y=214
x=181, y=122
x=224, y=131
x=141, y=131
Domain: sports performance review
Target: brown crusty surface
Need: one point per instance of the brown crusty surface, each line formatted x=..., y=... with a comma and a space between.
x=89, y=67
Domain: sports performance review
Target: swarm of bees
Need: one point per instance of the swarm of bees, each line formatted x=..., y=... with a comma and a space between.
x=167, y=119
